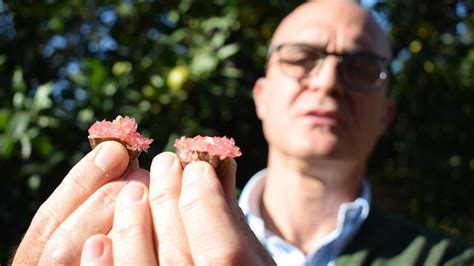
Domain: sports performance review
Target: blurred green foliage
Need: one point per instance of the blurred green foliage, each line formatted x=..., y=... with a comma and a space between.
x=187, y=67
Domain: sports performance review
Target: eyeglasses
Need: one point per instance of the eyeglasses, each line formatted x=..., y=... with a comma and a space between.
x=362, y=71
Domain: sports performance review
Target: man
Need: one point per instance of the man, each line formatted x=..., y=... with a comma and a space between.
x=323, y=104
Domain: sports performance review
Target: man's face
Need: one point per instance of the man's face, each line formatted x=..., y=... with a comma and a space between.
x=322, y=116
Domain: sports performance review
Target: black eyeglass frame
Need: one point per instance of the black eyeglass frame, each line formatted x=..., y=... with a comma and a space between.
x=384, y=63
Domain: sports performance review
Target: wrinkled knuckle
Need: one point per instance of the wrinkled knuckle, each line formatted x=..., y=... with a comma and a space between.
x=174, y=261
x=192, y=200
x=77, y=175
x=107, y=195
x=130, y=231
x=44, y=223
x=172, y=255
x=78, y=185
x=59, y=252
x=163, y=197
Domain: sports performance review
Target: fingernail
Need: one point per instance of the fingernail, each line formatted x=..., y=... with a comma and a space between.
x=109, y=156
x=192, y=172
x=163, y=162
x=93, y=249
x=133, y=192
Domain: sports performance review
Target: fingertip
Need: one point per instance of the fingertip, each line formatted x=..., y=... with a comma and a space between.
x=139, y=175
x=194, y=171
x=162, y=163
x=202, y=176
x=132, y=194
x=165, y=159
x=97, y=250
x=114, y=145
x=195, y=165
x=111, y=156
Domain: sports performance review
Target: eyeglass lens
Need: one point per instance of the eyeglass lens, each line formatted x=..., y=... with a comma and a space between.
x=358, y=69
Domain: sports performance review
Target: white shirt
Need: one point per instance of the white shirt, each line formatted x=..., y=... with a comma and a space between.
x=351, y=215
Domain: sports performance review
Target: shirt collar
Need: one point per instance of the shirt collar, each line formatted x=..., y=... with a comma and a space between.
x=350, y=216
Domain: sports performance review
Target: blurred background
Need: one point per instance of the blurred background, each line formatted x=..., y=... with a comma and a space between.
x=188, y=67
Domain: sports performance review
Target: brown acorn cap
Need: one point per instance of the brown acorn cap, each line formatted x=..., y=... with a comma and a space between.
x=132, y=154
x=218, y=164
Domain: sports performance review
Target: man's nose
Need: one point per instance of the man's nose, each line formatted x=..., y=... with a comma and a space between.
x=326, y=79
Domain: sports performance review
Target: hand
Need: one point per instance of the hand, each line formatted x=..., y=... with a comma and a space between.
x=195, y=217
x=131, y=234
x=81, y=206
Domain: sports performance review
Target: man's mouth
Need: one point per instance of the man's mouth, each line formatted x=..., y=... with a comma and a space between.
x=322, y=118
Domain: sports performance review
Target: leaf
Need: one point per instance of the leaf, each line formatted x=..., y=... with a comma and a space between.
x=203, y=63
x=170, y=143
x=176, y=37
x=231, y=72
x=47, y=121
x=19, y=100
x=25, y=147
x=185, y=5
x=43, y=145
x=4, y=119
x=34, y=182
x=56, y=24
x=18, y=124
x=18, y=83
x=42, y=100
x=227, y=51
x=86, y=115
x=125, y=9
x=79, y=78
x=218, y=39
x=222, y=23
x=3, y=59
x=122, y=68
x=97, y=72
x=6, y=146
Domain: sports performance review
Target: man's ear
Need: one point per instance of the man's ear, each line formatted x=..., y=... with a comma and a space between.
x=259, y=97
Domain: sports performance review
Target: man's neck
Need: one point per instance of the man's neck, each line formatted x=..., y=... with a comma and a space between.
x=301, y=203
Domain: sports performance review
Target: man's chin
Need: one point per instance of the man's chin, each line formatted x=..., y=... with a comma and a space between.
x=311, y=146
x=312, y=152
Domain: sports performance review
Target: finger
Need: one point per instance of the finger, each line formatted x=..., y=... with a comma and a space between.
x=228, y=176
x=135, y=164
x=133, y=241
x=106, y=162
x=95, y=216
x=213, y=235
x=97, y=251
x=165, y=186
x=228, y=180
x=228, y=184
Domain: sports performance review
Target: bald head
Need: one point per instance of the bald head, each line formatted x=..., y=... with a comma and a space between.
x=337, y=25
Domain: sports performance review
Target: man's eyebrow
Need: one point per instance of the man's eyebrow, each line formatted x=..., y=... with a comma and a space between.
x=369, y=42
